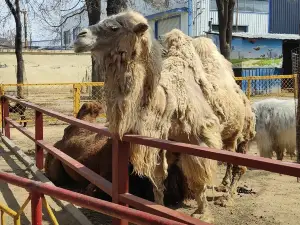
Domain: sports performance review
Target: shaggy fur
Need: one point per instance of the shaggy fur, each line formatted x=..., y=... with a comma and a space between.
x=275, y=127
x=141, y=101
x=73, y=144
x=229, y=103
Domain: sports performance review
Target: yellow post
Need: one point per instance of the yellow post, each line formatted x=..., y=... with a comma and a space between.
x=248, y=88
x=76, y=96
x=2, y=218
x=1, y=93
x=295, y=86
x=50, y=212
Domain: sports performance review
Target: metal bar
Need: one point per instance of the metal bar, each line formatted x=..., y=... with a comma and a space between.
x=158, y=210
x=39, y=135
x=108, y=208
x=50, y=212
x=271, y=77
x=5, y=106
x=276, y=166
x=120, y=157
x=68, y=119
x=88, y=174
x=36, y=207
x=21, y=210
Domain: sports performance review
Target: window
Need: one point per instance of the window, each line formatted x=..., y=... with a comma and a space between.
x=215, y=28
x=76, y=31
x=67, y=37
x=246, y=5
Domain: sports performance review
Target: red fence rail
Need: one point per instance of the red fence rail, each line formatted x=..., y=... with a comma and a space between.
x=118, y=189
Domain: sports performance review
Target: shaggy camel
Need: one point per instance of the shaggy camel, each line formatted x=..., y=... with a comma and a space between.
x=162, y=101
x=95, y=152
x=275, y=127
x=231, y=105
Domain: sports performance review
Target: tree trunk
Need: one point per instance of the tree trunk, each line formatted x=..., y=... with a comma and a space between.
x=94, y=13
x=225, y=15
x=115, y=6
x=18, y=45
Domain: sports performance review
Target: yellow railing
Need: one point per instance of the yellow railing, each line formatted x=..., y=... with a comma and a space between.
x=68, y=97
x=17, y=215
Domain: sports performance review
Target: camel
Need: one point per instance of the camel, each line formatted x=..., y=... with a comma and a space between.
x=234, y=111
x=95, y=152
x=155, y=98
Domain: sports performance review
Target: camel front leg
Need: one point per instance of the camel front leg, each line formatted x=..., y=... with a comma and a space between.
x=199, y=172
x=160, y=174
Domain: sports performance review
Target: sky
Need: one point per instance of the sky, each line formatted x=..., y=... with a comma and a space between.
x=39, y=21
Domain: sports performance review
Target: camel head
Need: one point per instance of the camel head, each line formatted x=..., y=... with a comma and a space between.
x=90, y=111
x=117, y=34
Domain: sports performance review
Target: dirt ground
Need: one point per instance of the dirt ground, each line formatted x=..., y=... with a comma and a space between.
x=42, y=68
x=275, y=198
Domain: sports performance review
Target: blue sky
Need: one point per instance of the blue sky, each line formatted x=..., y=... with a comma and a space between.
x=37, y=26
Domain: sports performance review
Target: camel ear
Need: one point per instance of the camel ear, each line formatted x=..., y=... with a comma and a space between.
x=140, y=28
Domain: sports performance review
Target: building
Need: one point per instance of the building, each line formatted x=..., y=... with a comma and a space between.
x=252, y=16
x=284, y=16
x=192, y=17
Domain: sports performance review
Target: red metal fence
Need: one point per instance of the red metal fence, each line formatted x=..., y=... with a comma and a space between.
x=118, y=189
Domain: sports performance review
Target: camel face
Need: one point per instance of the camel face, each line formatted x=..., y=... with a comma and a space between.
x=117, y=32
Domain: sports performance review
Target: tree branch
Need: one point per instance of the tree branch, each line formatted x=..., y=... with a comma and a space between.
x=11, y=8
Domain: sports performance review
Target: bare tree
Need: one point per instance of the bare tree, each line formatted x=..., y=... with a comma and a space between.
x=115, y=6
x=225, y=15
x=15, y=11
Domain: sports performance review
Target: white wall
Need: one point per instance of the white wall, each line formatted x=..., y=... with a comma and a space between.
x=257, y=22
x=200, y=17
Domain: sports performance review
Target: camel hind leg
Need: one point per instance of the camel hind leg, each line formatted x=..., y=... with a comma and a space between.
x=238, y=171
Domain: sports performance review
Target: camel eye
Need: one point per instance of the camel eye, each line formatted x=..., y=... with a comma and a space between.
x=114, y=28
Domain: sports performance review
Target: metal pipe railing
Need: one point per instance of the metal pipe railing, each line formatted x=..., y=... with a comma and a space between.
x=119, y=188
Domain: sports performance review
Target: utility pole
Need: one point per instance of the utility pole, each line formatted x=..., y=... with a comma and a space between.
x=25, y=27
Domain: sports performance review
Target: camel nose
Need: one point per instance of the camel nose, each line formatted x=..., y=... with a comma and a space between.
x=83, y=33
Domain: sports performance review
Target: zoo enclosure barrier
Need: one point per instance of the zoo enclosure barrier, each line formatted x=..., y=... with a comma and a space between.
x=67, y=98
x=119, y=188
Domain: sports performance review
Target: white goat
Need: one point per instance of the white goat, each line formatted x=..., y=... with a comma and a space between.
x=275, y=127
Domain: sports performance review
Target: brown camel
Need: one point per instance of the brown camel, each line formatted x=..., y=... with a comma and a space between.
x=95, y=152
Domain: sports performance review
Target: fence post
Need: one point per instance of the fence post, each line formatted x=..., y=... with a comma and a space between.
x=2, y=94
x=295, y=86
x=120, y=184
x=5, y=111
x=76, y=98
x=36, y=208
x=39, y=156
x=248, y=88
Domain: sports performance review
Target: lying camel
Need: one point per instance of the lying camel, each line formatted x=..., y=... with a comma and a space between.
x=95, y=151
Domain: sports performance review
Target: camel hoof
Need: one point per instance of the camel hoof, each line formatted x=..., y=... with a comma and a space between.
x=224, y=201
x=90, y=190
x=205, y=216
x=221, y=188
